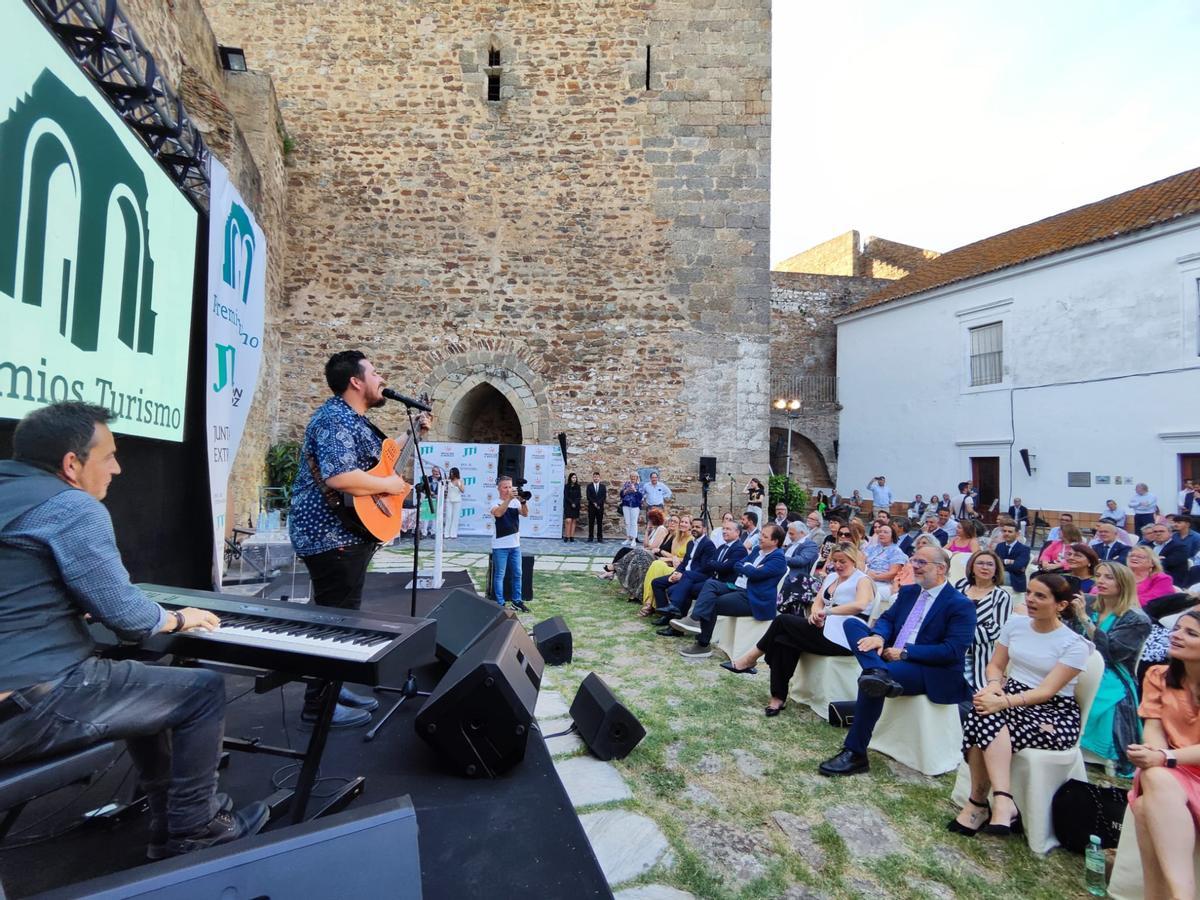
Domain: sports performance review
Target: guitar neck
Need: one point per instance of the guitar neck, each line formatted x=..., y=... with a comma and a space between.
x=405, y=455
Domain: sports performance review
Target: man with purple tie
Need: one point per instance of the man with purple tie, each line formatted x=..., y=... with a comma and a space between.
x=917, y=647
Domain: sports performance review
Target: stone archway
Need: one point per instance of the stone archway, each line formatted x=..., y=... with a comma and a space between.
x=489, y=391
x=484, y=416
x=809, y=467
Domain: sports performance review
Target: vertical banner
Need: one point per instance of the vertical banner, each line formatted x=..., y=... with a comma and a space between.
x=544, y=479
x=476, y=463
x=237, y=265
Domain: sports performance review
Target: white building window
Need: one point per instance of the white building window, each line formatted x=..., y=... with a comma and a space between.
x=987, y=354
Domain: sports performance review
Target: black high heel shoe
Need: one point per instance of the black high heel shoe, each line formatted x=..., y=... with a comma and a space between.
x=956, y=827
x=1013, y=827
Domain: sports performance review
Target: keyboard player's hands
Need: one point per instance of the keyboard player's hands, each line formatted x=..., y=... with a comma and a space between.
x=198, y=620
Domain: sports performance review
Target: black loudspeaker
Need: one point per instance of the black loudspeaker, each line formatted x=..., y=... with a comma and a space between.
x=553, y=640
x=708, y=468
x=306, y=860
x=478, y=717
x=462, y=619
x=1025, y=462
x=526, y=579
x=511, y=461
x=606, y=726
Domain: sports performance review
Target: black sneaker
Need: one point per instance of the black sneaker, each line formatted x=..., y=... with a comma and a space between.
x=519, y=606
x=669, y=632
x=225, y=827
x=157, y=848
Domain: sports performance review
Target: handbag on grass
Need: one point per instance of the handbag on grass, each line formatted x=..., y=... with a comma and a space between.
x=1080, y=809
x=841, y=713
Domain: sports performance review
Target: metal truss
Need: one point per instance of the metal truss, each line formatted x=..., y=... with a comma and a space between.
x=106, y=46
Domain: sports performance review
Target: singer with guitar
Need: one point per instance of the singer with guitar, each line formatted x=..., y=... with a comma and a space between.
x=341, y=446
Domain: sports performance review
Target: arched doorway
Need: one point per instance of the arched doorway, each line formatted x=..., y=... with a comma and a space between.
x=808, y=465
x=484, y=416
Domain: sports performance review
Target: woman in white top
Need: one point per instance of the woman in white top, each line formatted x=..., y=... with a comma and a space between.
x=1032, y=706
x=454, y=495
x=846, y=592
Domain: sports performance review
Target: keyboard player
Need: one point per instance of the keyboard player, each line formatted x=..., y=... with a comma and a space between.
x=340, y=446
x=60, y=561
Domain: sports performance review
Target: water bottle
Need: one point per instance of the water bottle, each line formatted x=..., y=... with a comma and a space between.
x=1093, y=868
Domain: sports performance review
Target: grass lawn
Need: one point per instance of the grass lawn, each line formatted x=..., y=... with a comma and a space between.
x=713, y=770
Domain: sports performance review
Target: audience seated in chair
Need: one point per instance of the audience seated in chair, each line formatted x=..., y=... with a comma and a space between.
x=753, y=594
x=1118, y=627
x=717, y=570
x=884, y=559
x=1028, y=702
x=670, y=555
x=983, y=586
x=691, y=568
x=918, y=646
x=1148, y=574
x=847, y=591
x=1165, y=799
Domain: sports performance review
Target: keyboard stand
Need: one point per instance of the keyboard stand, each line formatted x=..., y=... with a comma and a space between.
x=295, y=800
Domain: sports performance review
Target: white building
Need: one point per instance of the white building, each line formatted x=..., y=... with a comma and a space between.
x=1074, y=339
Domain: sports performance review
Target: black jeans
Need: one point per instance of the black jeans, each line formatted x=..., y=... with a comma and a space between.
x=337, y=578
x=171, y=718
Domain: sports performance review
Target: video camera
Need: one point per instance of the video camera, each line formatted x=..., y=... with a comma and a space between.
x=523, y=495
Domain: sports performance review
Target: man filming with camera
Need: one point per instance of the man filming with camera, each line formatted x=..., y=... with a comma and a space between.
x=506, y=541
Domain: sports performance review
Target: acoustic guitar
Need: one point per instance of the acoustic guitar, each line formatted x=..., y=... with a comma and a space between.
x=382, y=514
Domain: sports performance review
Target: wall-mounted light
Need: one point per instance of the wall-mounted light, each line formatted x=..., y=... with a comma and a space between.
x=233, y=59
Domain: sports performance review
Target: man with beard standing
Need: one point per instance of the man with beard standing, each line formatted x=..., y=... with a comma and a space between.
x=340, y=446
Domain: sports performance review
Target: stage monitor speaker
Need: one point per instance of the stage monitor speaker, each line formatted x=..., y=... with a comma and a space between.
x=553, y=640
x=463, y=617
x=527, y=560
x=708, y=468
x=479, y=715
x=606, y=726
x=306, y=860
x=511, y=461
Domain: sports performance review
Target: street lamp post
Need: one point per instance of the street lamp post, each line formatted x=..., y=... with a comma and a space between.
x=790, y=405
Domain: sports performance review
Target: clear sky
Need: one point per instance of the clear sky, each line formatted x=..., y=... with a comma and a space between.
x=939, y=122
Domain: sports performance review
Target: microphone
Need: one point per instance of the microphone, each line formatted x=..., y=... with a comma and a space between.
x=407, y=401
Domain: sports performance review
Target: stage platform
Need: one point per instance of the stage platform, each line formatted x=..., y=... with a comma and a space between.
x=517, y=835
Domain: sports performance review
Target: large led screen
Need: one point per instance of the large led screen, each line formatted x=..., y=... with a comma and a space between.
x=97, y=247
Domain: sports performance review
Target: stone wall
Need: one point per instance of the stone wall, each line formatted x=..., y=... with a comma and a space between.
x=848, y=255
x=239, y=119
x=804, y=346
x=609, y=239
x=881, y=258
x=836, y=256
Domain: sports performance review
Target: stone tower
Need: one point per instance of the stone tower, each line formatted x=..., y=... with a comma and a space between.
x=550, y=214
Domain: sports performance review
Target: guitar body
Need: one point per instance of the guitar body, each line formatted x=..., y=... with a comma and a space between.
x=381, y=514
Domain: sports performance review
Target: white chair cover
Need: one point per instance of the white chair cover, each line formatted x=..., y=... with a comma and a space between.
x=1126, y=882
x=820, y=680
x=1038, y=774
x=735, y=635
x=919, y=733
x=958, y=567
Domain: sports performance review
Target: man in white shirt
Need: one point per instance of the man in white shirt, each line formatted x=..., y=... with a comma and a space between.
x=963, y=506
x=656, y=493
x=1185, y=507
x=1143, y=505
x=917, y=508
x=506, y=542
x=881, y=494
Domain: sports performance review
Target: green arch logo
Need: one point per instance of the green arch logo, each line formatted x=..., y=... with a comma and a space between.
x=239, y=236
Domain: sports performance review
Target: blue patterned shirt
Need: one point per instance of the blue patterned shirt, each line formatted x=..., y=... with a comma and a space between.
x=340, y=440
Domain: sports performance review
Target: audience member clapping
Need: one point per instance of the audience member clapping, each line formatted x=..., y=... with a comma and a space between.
x=1166, y=787
x=845, y=592
x=984, y=586
x=1118, y=627
x=1028, y=702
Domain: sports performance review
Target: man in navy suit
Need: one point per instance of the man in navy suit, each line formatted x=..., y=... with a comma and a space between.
x=1107, y=546
x=1015, y=557
x=917, y=647
x=669, y=590
x=755, y=593
x=1018, y=512
x=718, y=572
x=597, y=493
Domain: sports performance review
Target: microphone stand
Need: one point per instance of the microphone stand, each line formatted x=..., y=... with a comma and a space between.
x=409, y=689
